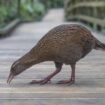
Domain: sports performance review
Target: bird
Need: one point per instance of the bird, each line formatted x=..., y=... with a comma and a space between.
x=64, y=44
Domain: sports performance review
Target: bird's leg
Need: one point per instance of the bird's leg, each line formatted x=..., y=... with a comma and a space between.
x=72, y=79
x=45, y=80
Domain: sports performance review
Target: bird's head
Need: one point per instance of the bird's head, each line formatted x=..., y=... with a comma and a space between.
x=16, y=69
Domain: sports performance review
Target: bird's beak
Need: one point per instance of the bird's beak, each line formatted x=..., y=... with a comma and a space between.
x=11, y=76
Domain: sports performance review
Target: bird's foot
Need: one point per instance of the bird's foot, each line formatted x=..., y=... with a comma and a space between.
x=44, y=81
x=66, y=82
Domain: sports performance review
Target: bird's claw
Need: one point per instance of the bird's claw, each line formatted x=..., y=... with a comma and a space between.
x=42, y=82
x=66, y=82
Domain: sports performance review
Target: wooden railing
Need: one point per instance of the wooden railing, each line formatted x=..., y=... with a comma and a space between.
x=91, y=12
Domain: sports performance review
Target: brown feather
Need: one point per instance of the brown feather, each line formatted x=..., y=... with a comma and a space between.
x=65, y=44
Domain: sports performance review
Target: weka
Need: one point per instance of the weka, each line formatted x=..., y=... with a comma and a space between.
x=63, y=44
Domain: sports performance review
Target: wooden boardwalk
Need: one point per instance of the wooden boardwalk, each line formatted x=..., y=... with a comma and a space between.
x=89, y=88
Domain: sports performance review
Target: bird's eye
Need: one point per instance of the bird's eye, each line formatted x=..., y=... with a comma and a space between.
x=12, y=69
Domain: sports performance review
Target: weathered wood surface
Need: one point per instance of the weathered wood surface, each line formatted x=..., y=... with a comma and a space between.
x=89, y=88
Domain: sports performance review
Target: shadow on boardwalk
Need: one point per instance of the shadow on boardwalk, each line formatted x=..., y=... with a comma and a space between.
x=89, y=88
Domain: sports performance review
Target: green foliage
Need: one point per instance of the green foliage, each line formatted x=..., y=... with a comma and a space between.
x=55, y=3
x=2, y=15
x=32, y=11
x=6, y=15
x=7, y=12
x=28, y=10
x=39, y=8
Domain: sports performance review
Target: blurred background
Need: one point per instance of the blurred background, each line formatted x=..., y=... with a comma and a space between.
x=26, y=10
x=90, y=12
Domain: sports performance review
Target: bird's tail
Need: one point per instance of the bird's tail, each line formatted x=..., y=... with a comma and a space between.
x=99, y=45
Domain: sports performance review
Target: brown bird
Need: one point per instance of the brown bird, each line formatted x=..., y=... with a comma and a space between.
x=66, y=43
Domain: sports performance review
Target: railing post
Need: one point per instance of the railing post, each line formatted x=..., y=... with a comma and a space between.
x=99, y=15
x=32, y=3
x=91, y=15
x=19, y=4
x=45, y=3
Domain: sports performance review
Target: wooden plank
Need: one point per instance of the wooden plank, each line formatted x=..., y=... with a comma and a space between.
x=55, y=101
x=88, y=19
x=89, y=88
x=51, y=95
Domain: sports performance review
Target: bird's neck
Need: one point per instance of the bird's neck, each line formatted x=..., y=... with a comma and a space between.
x=30, y=59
